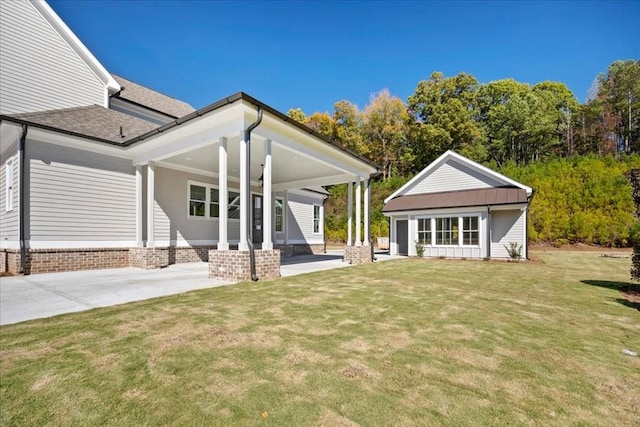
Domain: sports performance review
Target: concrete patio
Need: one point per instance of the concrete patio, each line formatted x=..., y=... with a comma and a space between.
x=44, y=295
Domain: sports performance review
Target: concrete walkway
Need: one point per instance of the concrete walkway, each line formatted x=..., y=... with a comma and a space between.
x=45, y=295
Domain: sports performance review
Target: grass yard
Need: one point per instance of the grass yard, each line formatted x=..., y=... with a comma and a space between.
x=406, y=342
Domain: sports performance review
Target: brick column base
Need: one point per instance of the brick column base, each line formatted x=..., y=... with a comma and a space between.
x=235, y=265
x=149, y=258
x=358, y=254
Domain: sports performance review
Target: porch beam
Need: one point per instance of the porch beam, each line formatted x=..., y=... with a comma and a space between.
x=312, y=182
x=151, y=171
x=267, y=242
x=358, y=210
x=223, y=196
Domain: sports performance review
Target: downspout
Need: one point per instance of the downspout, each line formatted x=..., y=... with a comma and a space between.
x=23, y=216
x=247, y=138
x=490, y=233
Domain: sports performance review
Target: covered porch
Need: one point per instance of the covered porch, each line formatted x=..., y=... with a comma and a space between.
x=236, y=183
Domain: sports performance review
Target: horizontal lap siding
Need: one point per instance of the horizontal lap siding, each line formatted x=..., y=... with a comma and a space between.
x=506, y=227
x=451, y=176
x=80, y=196
x=38, y=69
x=300, y=218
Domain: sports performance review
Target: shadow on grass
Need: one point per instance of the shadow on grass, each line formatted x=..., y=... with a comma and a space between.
x=630, y=291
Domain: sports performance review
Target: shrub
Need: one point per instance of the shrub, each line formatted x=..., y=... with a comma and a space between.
x=419, y=249
x=514, y=250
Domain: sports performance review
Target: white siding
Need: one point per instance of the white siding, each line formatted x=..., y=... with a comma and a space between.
x=172, y=225
x=38, y=69
x=451, y=176
x=507, y=226
x=300, y=218
x=81, y=196
x=10, y=220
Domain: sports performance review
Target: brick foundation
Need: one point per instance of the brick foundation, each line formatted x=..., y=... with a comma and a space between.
x=234, y=265
x=358, y=254
x=287, y=251
x=55, y=260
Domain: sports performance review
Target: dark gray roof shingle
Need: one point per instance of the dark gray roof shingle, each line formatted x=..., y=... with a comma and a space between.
x=152, y=99
x=93, y=121
x=457, y=199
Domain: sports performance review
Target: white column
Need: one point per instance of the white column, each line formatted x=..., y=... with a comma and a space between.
x=245, y=194
x=223, y=196
x=367, y=202
x=285, y=214
x=358, y=211
x=151, y=171
x=350, y=216
x=139, y=203
x=267, y=242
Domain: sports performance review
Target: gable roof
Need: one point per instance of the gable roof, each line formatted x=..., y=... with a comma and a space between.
x=457, y=199
x=152, y=99
x=451, y=155
x=74, y=42
x=93, y=121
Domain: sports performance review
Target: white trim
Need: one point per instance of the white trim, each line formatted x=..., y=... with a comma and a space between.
x=74, y=43
x=9, y=185
x=350, y=213
x=320, y=221
x=223, y=195
x=207, y=213
x=358, y=211
x=189, y=243
x=461, y=159
x=151, y=198
x=275, y=216
x=80, y=244
x=436, y=212
x=301, y=242
x=9, y=244
x=139, y=203
x=513, y=207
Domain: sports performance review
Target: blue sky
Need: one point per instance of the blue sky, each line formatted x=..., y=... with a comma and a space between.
x=312, y=54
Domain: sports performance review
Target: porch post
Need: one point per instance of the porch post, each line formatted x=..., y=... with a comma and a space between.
x=267, y=242
x=139, y=202
x=151, y=171
x=367, y=202
x=223, y=195
x=245, y=190
x=285, y=214
x=358, y=210
x=350, y=216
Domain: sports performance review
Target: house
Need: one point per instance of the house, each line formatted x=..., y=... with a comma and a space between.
x=457, y=208
x=100, y=172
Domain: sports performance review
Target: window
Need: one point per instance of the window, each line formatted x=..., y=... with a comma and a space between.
x=316, y=219
x=204, y=202
x=279, y=215
x=197, y=201
x=447, y=231
x=470, y=230
x=8, y=182
x=424, y=231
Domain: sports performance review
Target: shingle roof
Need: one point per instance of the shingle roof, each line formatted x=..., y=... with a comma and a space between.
x=94, y=121
x=457, y=199
x=152, y=99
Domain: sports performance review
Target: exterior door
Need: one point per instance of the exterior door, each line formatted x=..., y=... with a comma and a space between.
x=402, y=236
x=256, y=222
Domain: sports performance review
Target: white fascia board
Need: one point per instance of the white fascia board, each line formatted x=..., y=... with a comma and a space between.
x=439, y=211
x=308, y=193
x=512, y=207
x=290, y=136
x=193, y=134
x=460, y=159
x=80, y=244
x=74, y=42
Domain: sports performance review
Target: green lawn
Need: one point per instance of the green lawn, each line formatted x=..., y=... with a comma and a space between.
x=406, y=342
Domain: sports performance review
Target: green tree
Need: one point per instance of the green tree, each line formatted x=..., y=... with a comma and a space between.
x=443, y=112
x=348, y=127
x=297, y=114
x=322, y=123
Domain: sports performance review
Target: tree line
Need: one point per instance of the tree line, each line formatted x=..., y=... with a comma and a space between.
x=492, y=123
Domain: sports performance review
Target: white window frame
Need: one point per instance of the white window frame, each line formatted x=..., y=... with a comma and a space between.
x=318, y=220
x=427, y=220
x=208, y=201
x=454, y=242
x=275, y=214
x=476, y=230
x=8, y=185
x=457, y=242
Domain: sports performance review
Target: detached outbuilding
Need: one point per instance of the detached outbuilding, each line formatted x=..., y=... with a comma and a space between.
x=457, y=208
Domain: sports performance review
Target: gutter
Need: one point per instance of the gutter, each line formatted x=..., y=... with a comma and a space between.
x=247, y=138
x=23, y=216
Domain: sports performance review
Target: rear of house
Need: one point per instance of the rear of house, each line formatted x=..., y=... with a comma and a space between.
x=456, y=208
